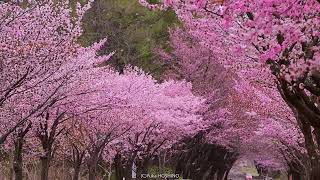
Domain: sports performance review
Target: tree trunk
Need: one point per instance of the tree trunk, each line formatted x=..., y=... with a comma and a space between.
x=76, y=174
x=18, y=147
x=315, y=171
x=311, y=148
x=11, y=170
x=118, y=164
x=17, y=161
x=47, y=138
x=92, y=170
x=45, y=164
x=92, y=164
x=77, y=161
x=142, y=167
x=204, y=161
x=123, y=167
x=222, y=174
x=295, y=100
x=295, y=176
x=227, y=173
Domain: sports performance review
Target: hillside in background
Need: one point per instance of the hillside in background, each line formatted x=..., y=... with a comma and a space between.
x=132, y=30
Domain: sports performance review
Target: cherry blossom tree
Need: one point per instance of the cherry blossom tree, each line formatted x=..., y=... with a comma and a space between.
x=236, y=108
x=285, y=139
x=35, y=43
x=40, y=58
x=230, y=112
x=168, y=113
x=127, y=106
x=51, y=83
x=267, y=43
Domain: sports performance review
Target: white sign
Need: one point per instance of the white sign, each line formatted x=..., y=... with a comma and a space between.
x=134, y=170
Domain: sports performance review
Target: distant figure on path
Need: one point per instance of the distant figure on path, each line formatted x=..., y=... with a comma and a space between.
x=248, y=177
